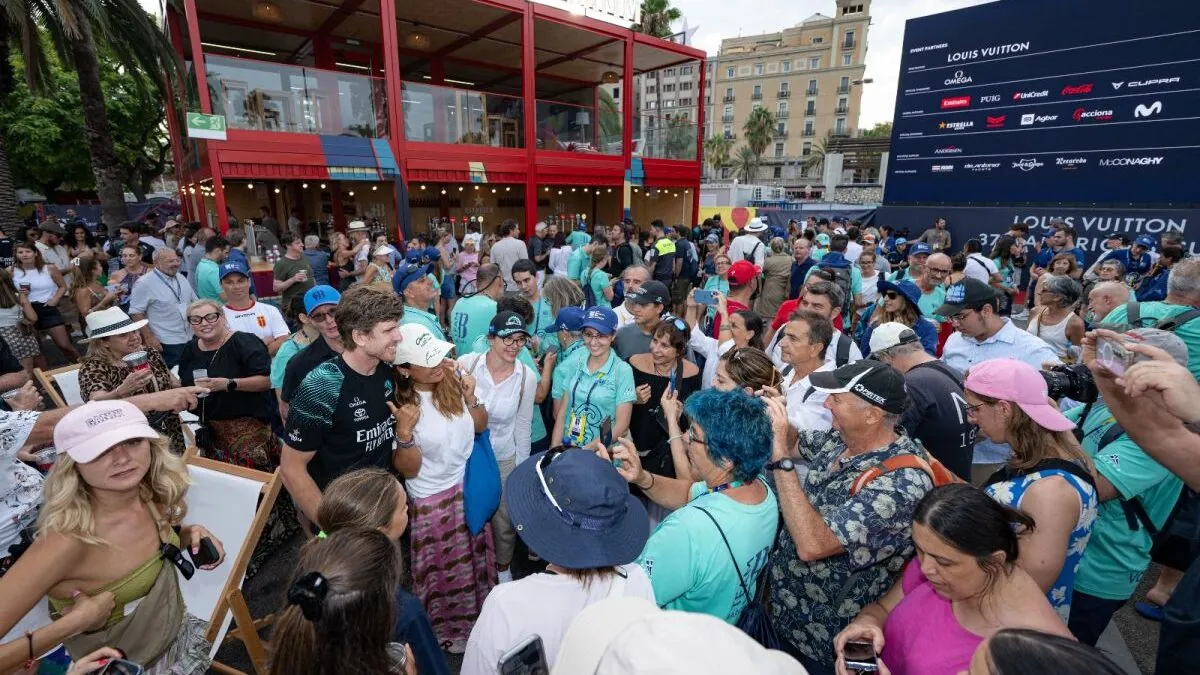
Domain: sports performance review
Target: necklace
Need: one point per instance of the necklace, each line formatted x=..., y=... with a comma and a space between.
x=665, y=371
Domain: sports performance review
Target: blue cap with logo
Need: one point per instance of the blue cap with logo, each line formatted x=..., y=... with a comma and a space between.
x=569, y=319
x=601, y=319
x=234, y=267
x=919, y=248
x=407, y=273
x=1145, y=242
x=320, y=295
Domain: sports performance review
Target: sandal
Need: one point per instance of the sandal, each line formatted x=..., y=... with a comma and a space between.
x=1149, y=610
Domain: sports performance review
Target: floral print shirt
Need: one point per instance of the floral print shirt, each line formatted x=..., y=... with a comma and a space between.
x=811, y=602
x=1010, y=492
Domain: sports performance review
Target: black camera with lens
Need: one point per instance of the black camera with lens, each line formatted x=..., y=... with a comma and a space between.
x=1073, y=381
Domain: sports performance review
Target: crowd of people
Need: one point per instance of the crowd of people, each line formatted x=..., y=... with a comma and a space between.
x=825, y=448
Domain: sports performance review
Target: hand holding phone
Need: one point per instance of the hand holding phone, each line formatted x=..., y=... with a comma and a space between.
x=704, y=297
x=1113, y=355
x=208, y=553
x=860, y=657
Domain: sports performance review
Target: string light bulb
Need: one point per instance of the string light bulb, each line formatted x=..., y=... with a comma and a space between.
x=443, y=190
x=508, y=188
x=304, y=186
x=277, y=190
x=250, y=185
x=460, y=188
x=322, y=186
x=351, y=193
x=422, y=187
x=374, y=188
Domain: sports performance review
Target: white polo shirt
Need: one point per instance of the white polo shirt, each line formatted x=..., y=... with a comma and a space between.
x=258, y=319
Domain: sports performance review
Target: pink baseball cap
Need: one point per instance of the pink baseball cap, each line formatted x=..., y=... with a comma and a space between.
x=90, y=430
x=1018, y=382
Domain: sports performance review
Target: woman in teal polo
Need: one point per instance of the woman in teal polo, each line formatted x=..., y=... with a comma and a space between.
x=596, y=386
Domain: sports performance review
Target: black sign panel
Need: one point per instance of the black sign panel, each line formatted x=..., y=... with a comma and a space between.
x=1034, y=102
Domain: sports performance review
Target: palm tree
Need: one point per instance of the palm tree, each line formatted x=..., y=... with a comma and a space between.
x=759, y=128
x=746, y=164
x=817, y=157
x=716, y=153
x=657, y=17
x=73, y=28
x=9, y=221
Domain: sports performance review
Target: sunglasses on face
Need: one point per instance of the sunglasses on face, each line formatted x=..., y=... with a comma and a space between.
x=891, y=295
x=320, y=317
x=196, y=320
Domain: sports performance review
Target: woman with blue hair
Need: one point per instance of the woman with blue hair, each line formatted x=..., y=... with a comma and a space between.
x=707, y=555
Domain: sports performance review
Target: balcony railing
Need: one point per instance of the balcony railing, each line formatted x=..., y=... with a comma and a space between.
x=756, y=96
x=728, y=98
x=727, y=118
x=844, y=89
x=781, y=133
x=809, y=133
x=811, y=91
x=783, y=93
x=673, y=140
x=263, y=96
x=729, y=136
x=574, y=128
x=437, y=114
x=782, y=115
x=841, y=110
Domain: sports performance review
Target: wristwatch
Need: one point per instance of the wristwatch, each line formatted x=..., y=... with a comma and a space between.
x=232, y=386
x=785, y=464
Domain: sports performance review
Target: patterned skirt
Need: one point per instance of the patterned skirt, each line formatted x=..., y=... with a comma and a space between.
x=249, y=442
x=21, y=342
x=453, y=572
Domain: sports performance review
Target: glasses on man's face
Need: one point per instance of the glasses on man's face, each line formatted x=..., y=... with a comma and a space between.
x=196, y=320
x=518, y=340
x=320, y=317
x=961, y=316
x=593, y=336
x=938, y=271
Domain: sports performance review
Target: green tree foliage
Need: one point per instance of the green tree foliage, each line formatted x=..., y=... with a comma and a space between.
x=45, y=137
x=716, y=153
x=880, y=130
x=759, y=130
x=745, y=164
x=657, y=17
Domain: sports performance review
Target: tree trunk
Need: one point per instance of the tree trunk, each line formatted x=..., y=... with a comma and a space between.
x=97, y=130
x=10, y=222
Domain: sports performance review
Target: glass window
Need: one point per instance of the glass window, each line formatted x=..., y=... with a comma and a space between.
x=818, y=40
x=783, y=86
x=758, y=90
x=814, y=63
x=783, y=106
x=758, y=69
x=786, y=66
x=729, y=72
x=779, y=149
x=840, y=125
x=729, y=111
x=846, y=58
x=844, y=84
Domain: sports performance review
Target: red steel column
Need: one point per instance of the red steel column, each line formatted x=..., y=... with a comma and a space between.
x=395, y=101
x=700, y=109
x=198, y=66
x=529, y=77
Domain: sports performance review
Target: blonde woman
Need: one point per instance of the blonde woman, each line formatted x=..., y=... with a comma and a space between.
x=379, y=271
x=111, y=529
x=86, y=291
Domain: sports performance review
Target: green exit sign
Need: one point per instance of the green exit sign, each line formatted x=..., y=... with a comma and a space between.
x=200, y=125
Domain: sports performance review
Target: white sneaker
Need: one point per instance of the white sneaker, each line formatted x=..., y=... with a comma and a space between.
x=504, y=576
x=1020, y=316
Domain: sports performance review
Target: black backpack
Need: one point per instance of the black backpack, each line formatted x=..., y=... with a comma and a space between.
x=1133, y=314
x=842, y=277
x=589, y=294
x=1135, y=512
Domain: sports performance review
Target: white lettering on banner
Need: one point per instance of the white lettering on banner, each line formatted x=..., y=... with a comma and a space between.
x=995, y=50
x=1106, y=224
x=959, y=78
x=620, y=12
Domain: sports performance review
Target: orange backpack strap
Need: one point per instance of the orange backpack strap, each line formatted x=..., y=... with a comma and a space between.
x=889, y=465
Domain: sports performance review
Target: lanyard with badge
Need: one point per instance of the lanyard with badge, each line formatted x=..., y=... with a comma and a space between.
x=577, y=425
x=177, y=292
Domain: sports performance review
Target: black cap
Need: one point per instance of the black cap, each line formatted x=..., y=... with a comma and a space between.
x=507, y=323
x=874, y=382
x=651, y=293
x=967, y=294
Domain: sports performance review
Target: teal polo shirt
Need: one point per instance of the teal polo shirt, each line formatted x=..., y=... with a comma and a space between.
x=578, y=239
x=1116, y=556
x=537, y=431
x=470, y=320
x=592, y=396
x=208, y=280
x=597, y=280
x=413, y=315
x=543, y=318
x=577, y=264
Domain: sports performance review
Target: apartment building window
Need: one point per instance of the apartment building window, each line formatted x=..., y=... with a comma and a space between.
x=781, y=129
x=758, y=69
x=728, y=94
x=685, y=70
x=843, y=106
x=848, y=43
x=668, y=104
x=846, y=59
x=729, y=73
x=785, y=90
x=650, y=105
x=818, y=40
x=757, y=95
x=785, y=67
x=783, y=109
x=808, y=128
x=779, y=149
x=685, y=116
x=814, y=63
x=670, y=72
x=685, y=86
x=844, y=85
x=839, y=126
x=727, y=130
x=812, y=88
x=779, y=171
x=685, y=103
x=729, y=111
x=810, y=108
x=852, y=9
x=668, y=88
x=651, y=90
x=807, y=149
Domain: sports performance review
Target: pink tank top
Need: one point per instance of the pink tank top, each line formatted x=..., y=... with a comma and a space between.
x=922, y=635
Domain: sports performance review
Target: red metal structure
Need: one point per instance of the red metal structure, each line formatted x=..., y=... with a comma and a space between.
x=489, y=109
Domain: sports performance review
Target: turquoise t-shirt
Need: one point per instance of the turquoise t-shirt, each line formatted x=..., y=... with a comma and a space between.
x=537, y=431
x=1008, y=272
x=1153, y=312
x=576, y=265
x=279, y=364
x=592, y=396
x=208, y=280
x=578, y=239
x=543, y=318
x=1116, y=556
x=716, y=283
x=469, y=320
x=417, y=316
x=598, y=280
x=561, y=365
x=818, y=253
x=690, y=567
x=931, y=301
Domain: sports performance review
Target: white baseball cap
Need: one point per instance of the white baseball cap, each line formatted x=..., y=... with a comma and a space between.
x=630, y=635
x=891, y=334
x=419, y=347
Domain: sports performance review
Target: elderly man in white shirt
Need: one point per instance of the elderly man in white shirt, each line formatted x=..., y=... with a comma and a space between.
x=805, y=338
x=749, y=244
x=981, y=335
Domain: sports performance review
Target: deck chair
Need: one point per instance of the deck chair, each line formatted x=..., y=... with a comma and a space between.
x=61, y=385
x=233, y=502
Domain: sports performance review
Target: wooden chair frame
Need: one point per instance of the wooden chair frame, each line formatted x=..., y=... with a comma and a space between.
x=232, y=599
x=45, y=378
